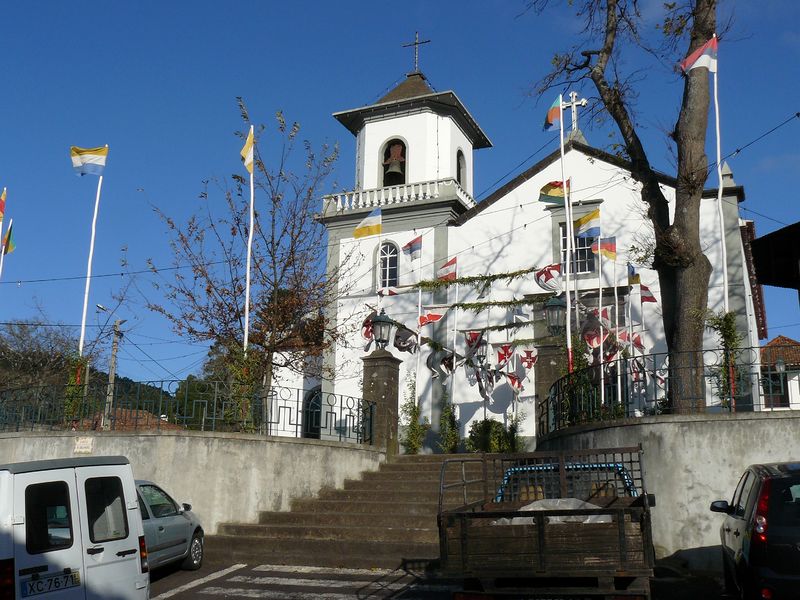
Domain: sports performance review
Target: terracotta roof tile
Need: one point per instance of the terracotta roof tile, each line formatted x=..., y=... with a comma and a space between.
x=781, y=347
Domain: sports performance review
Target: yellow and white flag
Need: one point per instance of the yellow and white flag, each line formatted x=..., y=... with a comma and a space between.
x=247, y=152
x=370, y=225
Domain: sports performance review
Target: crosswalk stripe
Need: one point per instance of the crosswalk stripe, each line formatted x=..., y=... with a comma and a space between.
x=325, y=570
x=201, y=581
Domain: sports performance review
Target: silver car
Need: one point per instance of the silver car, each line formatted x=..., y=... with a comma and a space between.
x=172, y=531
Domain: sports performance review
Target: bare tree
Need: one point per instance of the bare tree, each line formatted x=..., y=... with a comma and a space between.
x=290, y=287
x=683, y=269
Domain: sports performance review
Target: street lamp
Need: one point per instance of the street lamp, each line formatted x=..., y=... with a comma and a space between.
x=480, y=351
x=382, y=329
x=555, y=312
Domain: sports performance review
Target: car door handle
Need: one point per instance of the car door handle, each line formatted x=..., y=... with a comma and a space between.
x=126, y=552
x=160, y=528
x=94, y=550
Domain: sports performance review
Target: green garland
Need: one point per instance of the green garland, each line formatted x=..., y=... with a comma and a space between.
x=480, y=306
x=431, y=285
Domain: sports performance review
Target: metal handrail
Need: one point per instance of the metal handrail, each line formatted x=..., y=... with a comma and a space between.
x=740, y=380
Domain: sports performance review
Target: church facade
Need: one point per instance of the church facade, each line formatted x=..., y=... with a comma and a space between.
x=476, y=288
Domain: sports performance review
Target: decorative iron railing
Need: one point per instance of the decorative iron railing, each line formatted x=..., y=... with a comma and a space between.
x=188, y=405
x=398, y=194
x=742, y=380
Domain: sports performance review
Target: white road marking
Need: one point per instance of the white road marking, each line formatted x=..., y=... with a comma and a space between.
x=324, y=583
x=201, y=581
x=325, y=570
x=230, y=592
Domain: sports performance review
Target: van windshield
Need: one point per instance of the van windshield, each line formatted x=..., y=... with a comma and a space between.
x=784, y=508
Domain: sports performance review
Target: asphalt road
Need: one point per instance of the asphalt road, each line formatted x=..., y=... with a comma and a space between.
x=278, y=582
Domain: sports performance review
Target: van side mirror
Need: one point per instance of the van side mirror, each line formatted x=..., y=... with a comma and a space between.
x=720, y=506
x=186, y=506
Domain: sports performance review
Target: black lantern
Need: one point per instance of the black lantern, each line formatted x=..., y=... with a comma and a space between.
x=382, y=329
x=555, y=312
x=480, y=351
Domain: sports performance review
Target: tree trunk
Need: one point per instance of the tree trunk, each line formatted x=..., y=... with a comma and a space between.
x=679, y=247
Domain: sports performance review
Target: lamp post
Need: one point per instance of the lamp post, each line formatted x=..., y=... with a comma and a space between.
x=555, y=312
x=382, y=327
x=380, y=386
x=112, y=368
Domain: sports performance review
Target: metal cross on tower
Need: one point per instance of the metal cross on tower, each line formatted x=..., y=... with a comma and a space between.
x=416, y=43
x=574, y=103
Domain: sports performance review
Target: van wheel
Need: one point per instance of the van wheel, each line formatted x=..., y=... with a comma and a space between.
x=194, y=560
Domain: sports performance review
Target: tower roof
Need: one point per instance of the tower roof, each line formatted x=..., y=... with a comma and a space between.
x=415, y=84
x=411, y=95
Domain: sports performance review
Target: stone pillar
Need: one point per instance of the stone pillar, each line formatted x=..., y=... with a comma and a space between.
x=381, y=386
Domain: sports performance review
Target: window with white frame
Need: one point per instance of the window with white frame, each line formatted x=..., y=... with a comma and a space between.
x=388, y=265
x=584, y=257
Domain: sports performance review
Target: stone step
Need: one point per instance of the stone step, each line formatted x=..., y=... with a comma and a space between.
x=429, y=535
x=364, y=554
x=352, y=519
x=397, y=496
x=366, y=507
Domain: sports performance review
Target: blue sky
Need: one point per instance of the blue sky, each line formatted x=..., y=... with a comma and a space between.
x=157, y=82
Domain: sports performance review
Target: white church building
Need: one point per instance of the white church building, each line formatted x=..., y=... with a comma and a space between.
x=415, y=162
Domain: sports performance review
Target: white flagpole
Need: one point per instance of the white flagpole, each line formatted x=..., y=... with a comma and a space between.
x=568, y=211
x=455, y=333
x=89, y=266
x=3, y=244
x=616, y=326
x=249, y=255
x=719, y=201
x=600, y=316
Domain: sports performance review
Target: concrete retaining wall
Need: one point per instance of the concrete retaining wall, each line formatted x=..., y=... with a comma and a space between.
x=226, y=477
x=691, y=461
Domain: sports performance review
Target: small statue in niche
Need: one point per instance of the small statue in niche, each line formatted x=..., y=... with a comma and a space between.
x=394, y=167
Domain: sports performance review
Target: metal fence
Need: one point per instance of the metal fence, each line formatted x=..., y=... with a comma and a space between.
x=743, y=380
x=191, y=404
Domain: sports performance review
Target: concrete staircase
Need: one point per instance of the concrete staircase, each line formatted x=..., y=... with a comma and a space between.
x=386, y=519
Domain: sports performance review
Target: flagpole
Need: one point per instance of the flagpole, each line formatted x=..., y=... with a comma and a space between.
x=455, y=333
x=3, y=244
x=616, y=328
x=249, y=257
x=719, y=199
x=89, y=266
x=568, y=210
x=600, y=315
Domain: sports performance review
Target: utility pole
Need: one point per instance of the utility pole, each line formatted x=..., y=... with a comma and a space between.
x=112, y=367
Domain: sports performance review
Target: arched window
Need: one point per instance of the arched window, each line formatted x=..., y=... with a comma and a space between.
x=387, y=265
x=394, y=163
x=461, y=168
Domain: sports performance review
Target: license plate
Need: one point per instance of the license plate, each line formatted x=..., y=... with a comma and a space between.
x=50, y=583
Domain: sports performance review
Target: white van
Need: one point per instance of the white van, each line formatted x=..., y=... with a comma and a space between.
x=70, y=529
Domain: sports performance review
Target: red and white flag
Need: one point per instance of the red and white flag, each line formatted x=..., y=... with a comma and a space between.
x=473, y=340
x=448, y=271
x=431, y=315
x=604, y=317
x=388, y=291
x=549, y=278
x=504, y=353
x=514, y=382
x=704, y=56
x=528, y=357
x=647, y=295
x=593, y=339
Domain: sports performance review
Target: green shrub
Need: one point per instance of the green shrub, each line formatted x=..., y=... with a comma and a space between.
x=489, y=435
x=415, y=428
x=449, y=426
